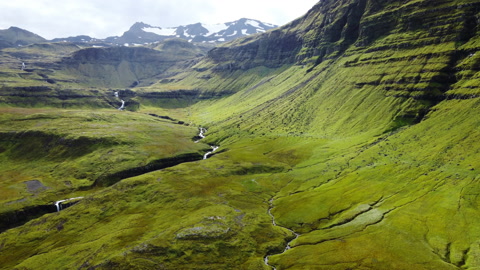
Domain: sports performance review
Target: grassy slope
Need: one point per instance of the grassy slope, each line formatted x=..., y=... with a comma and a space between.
x=67, y=150
x=341, y=150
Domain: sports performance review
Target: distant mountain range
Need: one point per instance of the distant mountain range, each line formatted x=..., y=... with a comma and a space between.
x=141, y=33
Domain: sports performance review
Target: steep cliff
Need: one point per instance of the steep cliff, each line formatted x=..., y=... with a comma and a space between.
x=348, y=140
x=125, y=66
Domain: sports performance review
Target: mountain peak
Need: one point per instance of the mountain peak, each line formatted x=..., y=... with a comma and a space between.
x=139, y=26
x=141, y=33
x=15, y=36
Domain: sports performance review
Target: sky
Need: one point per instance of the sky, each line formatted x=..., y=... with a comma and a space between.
x=103, y=18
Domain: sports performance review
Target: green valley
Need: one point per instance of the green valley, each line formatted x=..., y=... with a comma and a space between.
x=348, y=139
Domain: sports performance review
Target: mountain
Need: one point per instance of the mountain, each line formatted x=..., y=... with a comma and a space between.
x=75, y=39
x=346, y=139
x=144, y=34
x=120, y=66
x=83, y=40
x=15, y=36
x=141, y=33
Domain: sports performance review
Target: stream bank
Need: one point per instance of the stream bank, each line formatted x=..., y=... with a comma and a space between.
x=288, y=246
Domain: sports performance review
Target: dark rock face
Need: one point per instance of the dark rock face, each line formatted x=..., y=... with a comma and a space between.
x=152, y=166
x=33, y=145
x=108, y=55
x=273, y=50
x=28, y=96
x=13, y=219
x=330, y=27
x=35, y=186
x=118, y=66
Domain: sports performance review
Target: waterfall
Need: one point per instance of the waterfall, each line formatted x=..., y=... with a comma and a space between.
x=201, y=134
x=214, y=148
x=123, y=105
x=58, y=204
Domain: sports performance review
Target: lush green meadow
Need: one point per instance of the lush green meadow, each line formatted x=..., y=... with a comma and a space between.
x=364, y=143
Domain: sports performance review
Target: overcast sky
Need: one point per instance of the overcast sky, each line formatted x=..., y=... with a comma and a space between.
x=103, y=18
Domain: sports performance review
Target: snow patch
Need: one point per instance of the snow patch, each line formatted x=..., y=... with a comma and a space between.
x=215, y=28
x=253, y=23
x=160, y=31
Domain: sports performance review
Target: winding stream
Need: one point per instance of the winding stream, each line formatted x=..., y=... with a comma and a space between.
x=275, y=224
x=201, y=134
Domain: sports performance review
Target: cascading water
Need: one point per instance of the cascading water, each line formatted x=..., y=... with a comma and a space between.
x=123, y=105
x=214, y=148
x=58, y=204
x=201, y=134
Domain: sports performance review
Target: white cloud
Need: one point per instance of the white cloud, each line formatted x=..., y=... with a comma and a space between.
x=62, y=18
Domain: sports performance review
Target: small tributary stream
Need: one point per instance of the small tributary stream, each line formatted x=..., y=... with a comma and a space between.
x=122, y=107
x=201, y=134
x=275, y=224
x=12, y=219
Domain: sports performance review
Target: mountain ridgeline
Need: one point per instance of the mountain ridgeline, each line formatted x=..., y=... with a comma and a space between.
x=346, y=139
x=141, y=33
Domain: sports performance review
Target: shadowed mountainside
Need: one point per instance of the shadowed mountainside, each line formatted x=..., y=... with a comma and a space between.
x=355, y=127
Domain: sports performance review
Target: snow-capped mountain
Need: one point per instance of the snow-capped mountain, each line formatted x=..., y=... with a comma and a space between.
x=76, y=39
x=141, y=33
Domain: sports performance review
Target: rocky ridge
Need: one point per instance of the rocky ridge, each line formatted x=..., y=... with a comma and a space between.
x=351, y=132
x=143, y=34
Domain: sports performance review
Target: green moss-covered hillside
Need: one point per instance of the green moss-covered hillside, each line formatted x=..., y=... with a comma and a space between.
x=348, y=139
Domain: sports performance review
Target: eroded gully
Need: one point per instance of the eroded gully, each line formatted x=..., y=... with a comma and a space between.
x=17, y=218
x=266, y=260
